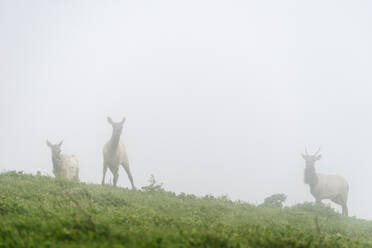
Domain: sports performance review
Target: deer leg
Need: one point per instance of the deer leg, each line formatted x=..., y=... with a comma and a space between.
x=76, y=176
x=127, y=170
x=343, y=203
x=104, y=173
x=116, y=176
x=339, y=200
x=345, y=210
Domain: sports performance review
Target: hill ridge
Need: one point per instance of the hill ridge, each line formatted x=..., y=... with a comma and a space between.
x=40, y=211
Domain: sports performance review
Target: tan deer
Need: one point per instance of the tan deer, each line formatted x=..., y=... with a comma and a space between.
x=64, y=166
x=114, y=153
x=332, y=187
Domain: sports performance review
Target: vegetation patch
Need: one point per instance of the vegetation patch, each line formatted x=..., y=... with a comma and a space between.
x=40, y=211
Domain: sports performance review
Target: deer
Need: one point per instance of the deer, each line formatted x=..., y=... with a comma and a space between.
x=114, y=154
x=64, y=166
x=332, y=187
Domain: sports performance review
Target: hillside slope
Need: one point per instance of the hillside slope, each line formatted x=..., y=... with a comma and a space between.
x=39, y=211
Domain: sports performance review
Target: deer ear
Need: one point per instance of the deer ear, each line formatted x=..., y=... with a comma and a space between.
x=60, y=143
x=318, y=157
x=123, y=120
x=110, y=120
x=48, y=143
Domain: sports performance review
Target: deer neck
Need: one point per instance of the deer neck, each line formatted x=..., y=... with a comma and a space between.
x=56, y=158
x=114, y=141
x=310, y=176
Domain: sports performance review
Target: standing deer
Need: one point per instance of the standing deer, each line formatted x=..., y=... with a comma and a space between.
x=64, y=166
x=332, y=187
x=114, y=153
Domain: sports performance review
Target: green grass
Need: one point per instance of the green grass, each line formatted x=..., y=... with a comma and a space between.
x=40, y=211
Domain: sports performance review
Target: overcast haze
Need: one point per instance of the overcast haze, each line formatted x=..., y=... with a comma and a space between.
x=221, y=97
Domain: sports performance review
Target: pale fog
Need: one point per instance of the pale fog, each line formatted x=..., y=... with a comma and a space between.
x=220, y=97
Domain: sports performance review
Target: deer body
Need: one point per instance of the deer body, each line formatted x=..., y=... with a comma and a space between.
x=332, y=187
x=64, y=166
x=114, y=154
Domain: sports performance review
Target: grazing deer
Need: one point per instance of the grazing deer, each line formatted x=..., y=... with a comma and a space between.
x=332, y=187
x=114, y=153
x=64, y=166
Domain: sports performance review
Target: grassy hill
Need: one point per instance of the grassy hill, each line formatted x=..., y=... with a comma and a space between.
x=40, y=211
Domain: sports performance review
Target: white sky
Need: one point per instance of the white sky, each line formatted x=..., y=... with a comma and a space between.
x=220, y=97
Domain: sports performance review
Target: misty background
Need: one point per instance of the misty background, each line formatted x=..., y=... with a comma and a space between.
x=221, y=97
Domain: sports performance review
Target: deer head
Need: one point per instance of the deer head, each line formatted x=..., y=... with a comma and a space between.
x=310, y=176
x=310, y=159
x=117, y=127
x=56, y=149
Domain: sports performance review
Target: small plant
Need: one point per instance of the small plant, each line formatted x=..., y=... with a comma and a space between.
x=153, y=186
x=274, y=201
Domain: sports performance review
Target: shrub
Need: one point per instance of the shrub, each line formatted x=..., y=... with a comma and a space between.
x=318, y=209
x=274, y=201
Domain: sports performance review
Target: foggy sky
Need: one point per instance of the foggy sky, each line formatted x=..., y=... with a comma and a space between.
x=221, y=97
